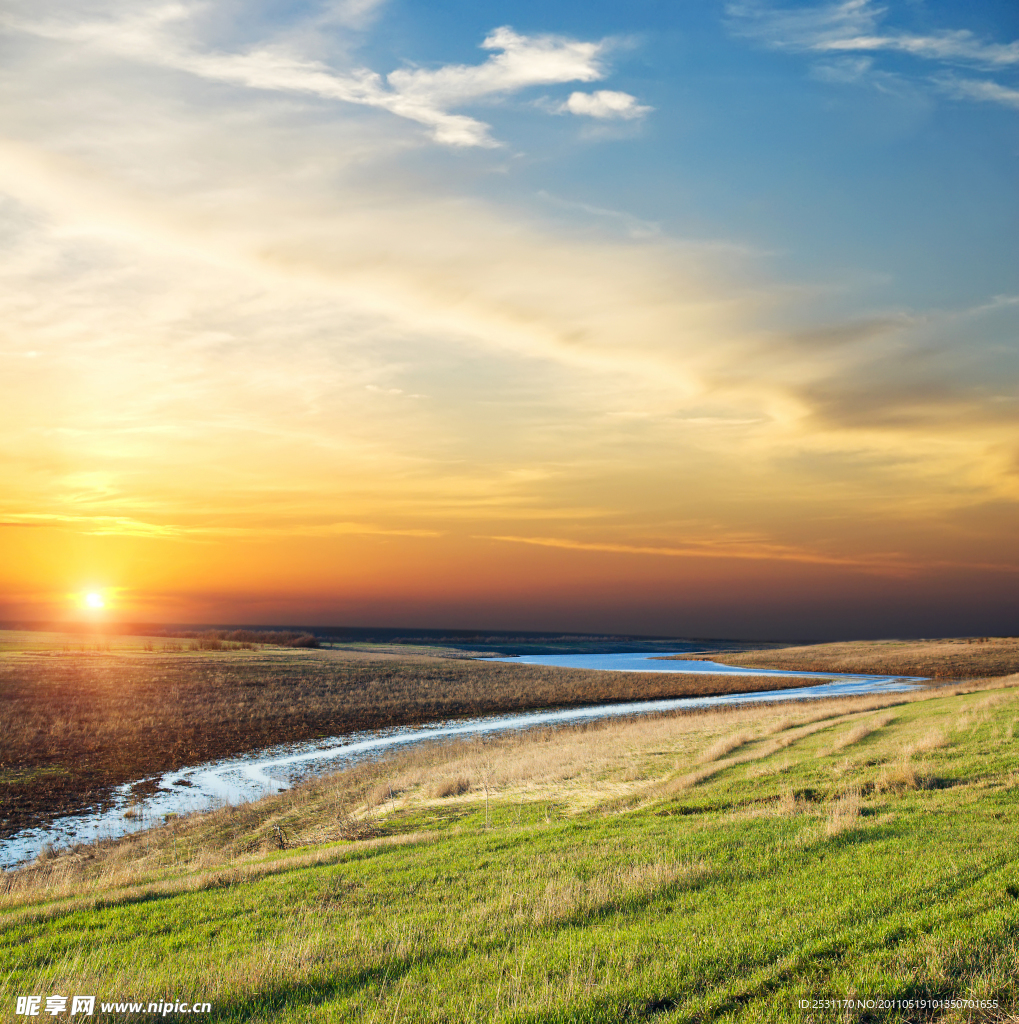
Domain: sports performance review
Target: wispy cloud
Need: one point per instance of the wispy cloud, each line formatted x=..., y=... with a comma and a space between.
x=856, y=27
x=734, y=548
x=981, y=89
x=158, y=36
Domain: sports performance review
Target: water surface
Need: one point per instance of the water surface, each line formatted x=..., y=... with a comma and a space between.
x=652, y=662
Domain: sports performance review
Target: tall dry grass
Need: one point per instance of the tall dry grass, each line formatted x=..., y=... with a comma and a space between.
x=860, y=732
x=726, y=745
x=843, y=813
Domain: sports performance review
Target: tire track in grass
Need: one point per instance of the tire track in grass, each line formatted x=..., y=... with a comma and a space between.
x=215, y=879
x=792, y=734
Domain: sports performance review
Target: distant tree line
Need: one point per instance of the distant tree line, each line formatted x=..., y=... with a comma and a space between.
x=209, y=637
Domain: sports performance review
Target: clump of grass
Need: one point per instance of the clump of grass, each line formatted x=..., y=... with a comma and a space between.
x=451, y=787
x=790, y=803
x=47, y=853
x=780, y=725
x=903, y=777
x=843, y=813
x=382, y=794
x=357, y=829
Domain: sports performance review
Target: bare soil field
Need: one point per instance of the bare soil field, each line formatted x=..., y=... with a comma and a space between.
x=961, y=658
x=75, y=722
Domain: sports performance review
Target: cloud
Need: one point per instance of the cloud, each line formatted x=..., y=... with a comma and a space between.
x=605, y=104
x=844, y=70
x=723, y=548
x=357, y=14
x=854, y=27
x=635, y=227
x=519, y=62
x=983, y=90
x=803, y=28
x=157, y=37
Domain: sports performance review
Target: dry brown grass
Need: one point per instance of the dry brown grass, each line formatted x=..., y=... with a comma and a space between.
x=789, y=803
x=860, y=732
x=451, y=787
x=933, y=739
x=726, y=745
x=788, y=731
x=903, y=777
x=843, y=813
x=963, y=658
x=73, y=725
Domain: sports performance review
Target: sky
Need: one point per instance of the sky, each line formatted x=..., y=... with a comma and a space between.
x=680, y=318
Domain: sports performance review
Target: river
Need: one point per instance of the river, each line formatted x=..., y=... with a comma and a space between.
x=274, y=769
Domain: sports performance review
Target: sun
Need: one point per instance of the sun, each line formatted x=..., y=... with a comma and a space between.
x=95, y=601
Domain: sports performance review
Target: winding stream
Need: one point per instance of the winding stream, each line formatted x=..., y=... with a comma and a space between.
x=272, y=770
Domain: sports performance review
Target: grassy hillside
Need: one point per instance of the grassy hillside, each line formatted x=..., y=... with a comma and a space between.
x=713, y=867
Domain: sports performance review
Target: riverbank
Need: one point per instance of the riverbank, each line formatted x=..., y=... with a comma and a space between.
x=81, y=716
x=723, y=866
x=950, y=658
x=238, y=780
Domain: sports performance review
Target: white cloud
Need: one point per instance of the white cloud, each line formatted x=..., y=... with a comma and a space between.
x=158, y=36
x=520, y=61
x=605, y=104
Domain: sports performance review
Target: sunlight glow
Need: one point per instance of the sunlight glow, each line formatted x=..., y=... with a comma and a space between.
x=95, y=601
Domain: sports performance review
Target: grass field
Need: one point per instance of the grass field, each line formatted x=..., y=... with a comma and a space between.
x=79, y=715
x=720, y=866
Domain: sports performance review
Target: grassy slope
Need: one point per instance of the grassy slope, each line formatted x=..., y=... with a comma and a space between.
x=715, y=867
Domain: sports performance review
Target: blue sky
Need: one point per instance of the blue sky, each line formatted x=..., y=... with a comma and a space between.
x=658, y=285
x=872, y=163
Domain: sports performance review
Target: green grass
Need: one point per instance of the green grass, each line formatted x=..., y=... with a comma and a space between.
x=885, y=866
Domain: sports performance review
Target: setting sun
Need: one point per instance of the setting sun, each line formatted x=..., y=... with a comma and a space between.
x=95, y=601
